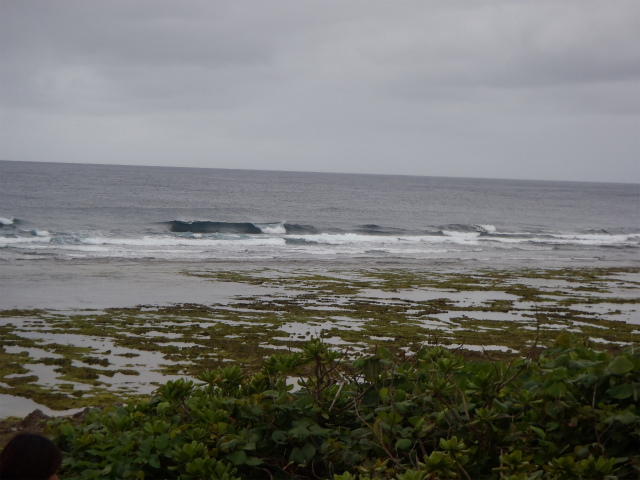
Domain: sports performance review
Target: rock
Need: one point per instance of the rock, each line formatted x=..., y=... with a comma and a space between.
x=33, y=421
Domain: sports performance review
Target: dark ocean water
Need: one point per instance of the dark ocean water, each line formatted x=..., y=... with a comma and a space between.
x=70, y=211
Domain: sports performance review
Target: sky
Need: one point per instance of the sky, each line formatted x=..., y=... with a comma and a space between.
x=543, y=90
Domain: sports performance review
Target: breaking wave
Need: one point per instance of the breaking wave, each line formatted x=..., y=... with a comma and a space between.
x=238, y=228
x=197, y=226
x=201, y=239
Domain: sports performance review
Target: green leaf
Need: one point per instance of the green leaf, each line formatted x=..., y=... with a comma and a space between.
x=66, y=430
x=154, y=461
x=162, y=442
x=557, y=390
x=384, y=353
x=551, y=426
x=106, y=470
x=238, y=457
x=279, y=436
x=384, y=394
x=300, y=433
x=145, y=446
x=163, y=407
x=319, y=431
x=403, y=444
x=228, y=444
x=304, y=402
x=627, y=418
x=308, y=451
x=253, y=461
x=621, y=391
x=297, y=456
x=587, y=380
x=539, y=432
x=620, y=365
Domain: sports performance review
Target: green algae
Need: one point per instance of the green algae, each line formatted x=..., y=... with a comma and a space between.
x=342, y=307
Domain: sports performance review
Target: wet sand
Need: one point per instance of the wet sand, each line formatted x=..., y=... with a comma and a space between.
x=98, y=284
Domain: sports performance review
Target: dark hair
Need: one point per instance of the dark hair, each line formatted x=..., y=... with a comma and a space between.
x=30, y=456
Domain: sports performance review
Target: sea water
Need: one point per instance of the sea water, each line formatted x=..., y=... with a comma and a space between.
x=73, y=211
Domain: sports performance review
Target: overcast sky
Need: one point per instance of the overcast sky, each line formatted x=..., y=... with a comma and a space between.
x=513, y=89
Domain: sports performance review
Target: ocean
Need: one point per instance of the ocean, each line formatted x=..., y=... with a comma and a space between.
x=68, y=212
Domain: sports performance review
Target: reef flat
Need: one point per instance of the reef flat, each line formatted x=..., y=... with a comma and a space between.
x=66, y=359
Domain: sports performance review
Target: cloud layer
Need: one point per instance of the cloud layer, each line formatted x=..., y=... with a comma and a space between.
x=547, y=90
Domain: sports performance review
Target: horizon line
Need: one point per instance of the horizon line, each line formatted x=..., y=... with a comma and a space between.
x=322, y=172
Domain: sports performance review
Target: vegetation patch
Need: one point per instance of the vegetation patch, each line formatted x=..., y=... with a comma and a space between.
x=568, y=413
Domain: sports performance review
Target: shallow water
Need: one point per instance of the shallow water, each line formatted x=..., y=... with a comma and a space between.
x=12, y=406
x=98, y=285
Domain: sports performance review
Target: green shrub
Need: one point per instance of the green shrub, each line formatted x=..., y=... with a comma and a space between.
x=573, y=413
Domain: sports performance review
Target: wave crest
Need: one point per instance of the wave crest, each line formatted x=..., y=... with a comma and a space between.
x=201, y=226
x=239, y=228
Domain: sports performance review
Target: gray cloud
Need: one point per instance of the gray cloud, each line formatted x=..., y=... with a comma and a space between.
x=493, y=89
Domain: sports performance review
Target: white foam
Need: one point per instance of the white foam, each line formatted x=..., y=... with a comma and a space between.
x=275, y=245
x=391, y=244
x=453, y=233
x=462, y=237
x=488, y=228
x=346, y=238
x=170, y=241
x=508, y=240
x=273, y=229
x=588, y=239
x=23, y=240
x=79, y=248
x=6, y=221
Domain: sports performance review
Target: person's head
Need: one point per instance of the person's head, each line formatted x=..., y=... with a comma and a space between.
x=30, y=456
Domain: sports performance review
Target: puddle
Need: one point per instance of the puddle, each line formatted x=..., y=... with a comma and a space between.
x=313, y=328
x=610, y=311
x=585, y=324
x=155, y=333
x=280, y=347
x=146, y=363
x=294, y=381
x=34, y=353
x=11, y=405
x=480, y=348
x=603, y=340
x=449, y=317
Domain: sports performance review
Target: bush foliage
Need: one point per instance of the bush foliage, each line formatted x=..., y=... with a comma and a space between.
x=571, y=413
